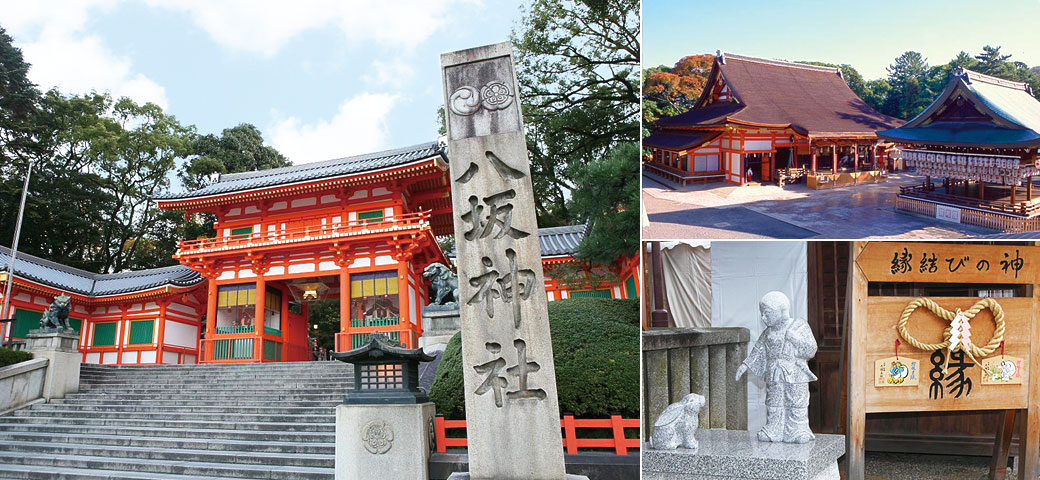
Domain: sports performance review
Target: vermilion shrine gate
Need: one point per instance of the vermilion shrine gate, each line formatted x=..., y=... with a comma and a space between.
x=300, y=233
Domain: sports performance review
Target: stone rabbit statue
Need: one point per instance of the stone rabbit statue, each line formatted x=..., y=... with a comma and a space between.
x=676, y=425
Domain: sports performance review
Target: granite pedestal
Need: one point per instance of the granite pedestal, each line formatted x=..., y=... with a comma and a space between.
x=384, y=441
x=465, y=476
x=738, y=455
x=440, y=323
x=60, y=346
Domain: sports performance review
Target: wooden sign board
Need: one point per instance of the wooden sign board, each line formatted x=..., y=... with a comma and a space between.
x=872, y=336
x=961, y=388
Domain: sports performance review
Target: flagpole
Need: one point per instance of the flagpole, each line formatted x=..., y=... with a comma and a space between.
x=14, y=252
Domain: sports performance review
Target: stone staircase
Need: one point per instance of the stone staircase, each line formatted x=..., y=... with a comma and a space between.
x=260, y=421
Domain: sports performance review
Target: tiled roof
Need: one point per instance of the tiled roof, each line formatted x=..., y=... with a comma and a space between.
x=560, y=240
x=810, y=99
x=82, y=282
x=1013, y=115
x=554, y=240
x=679, y=140
x=235, y=182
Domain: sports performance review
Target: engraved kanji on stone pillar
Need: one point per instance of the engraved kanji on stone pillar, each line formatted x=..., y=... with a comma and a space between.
x=510, y=379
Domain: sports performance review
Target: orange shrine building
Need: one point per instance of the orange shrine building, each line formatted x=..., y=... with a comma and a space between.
x=761, y=120
x=358, y=229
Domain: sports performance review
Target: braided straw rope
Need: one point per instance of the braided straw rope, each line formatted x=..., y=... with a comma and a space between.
x=974, y=350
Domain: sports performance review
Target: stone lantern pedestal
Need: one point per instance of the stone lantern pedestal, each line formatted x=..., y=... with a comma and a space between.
x=385, y=427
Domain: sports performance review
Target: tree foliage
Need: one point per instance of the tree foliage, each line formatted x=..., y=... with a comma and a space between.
x=910, y=86
x=595, y=345
x=97, y=163
x=577, y=63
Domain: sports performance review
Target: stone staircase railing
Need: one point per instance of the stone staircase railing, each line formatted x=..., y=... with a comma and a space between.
x=677, y=362
x=22, y=384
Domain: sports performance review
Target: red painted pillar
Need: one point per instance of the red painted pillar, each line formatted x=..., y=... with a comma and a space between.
x=211, y=320
x=258, y=318
x=404, y=324
x=343, y=339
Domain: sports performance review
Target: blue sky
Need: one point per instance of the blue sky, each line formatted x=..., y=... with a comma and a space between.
x=321, y=78
x=868, y=35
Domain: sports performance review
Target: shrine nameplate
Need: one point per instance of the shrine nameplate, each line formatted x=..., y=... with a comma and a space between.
x=961, y=387
x=949, y=263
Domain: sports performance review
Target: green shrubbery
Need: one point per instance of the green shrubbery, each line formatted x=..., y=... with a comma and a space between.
x=11, y=357
x=596, y=351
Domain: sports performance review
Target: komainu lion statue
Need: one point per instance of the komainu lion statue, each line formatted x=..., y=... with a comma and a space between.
x=57, y=314
x=444, y=283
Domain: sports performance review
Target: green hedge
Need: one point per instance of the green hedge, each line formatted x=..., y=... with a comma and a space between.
x=11, y=357
x=596, y=351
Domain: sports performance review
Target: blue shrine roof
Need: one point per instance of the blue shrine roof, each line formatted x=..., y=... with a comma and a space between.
x=1010, y=115
x=86, y=283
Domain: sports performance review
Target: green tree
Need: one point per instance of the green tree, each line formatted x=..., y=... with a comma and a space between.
x=992, y=62
x=237, y=149
x=577, y=65
x=609, y=203
x=907, y=97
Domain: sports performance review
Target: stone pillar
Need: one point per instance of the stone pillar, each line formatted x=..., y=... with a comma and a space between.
x=60, y=346
x=512, y=412
x=384, y=441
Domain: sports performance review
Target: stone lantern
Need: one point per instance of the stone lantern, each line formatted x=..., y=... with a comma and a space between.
x=384, y=372
x=386, y=424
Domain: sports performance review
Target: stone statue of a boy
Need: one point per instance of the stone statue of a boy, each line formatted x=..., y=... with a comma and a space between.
x=780, y=357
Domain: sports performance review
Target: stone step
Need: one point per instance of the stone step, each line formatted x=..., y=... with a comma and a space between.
x=161, y=423
x=206, y=409
x=166, y=467
x=209, y=417
x=227, y=396
x=35, y=472
x=267, y=446
x=178, y=454
x=212, y=401
x=191, y=433
x=227, y=388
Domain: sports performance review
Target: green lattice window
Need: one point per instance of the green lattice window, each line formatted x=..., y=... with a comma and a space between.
x=104, y=334
x=241, y=232
x=272, y=351
x=630, y=286
x=76, y=324
x=601, y=293
x=25, y=320
x=141, y=332
x=370, y=216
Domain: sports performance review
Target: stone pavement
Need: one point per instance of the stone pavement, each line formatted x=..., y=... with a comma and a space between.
x=905, y=466
x=722, y=210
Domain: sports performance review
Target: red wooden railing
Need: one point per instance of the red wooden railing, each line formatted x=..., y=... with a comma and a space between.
x=304, y=233
x=570, y=426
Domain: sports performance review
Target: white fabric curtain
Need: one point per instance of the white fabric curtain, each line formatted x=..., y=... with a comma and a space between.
x=742, y=272
x=687, y=283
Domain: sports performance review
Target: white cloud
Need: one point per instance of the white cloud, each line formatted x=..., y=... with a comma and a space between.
x=358, y=127
x=395, y=73
x=264, y=26
x=52, y=38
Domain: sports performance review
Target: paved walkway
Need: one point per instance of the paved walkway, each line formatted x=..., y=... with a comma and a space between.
x=722, y=210
x=904, y=466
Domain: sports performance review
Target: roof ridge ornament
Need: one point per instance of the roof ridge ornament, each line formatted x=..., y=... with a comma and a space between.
x=721, y=56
